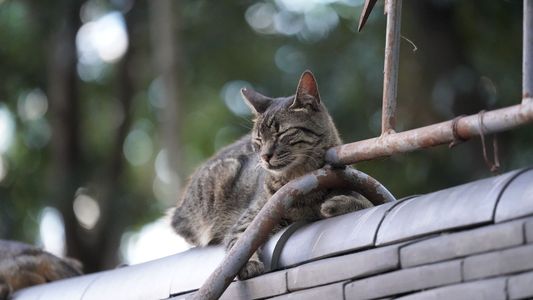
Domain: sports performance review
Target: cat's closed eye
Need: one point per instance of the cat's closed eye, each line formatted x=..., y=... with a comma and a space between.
x=257, y=143
x=288, y=134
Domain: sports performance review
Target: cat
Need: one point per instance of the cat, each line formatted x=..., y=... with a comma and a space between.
x=23, y=265
x=289, y=138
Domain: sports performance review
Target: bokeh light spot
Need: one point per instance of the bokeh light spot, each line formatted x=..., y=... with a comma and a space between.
x=162, y=167
x=7, y=128
x=104, y=39
x=310, y=20
x=138, y=147
x=32, y=105
x=156, y=93
x=288, y=23
x=52, y=231
x=153, y=241
x=37, y=134
x=86, y=210
x=231, y=93
x=4, y=168
x=260, y=17
x=289, y=59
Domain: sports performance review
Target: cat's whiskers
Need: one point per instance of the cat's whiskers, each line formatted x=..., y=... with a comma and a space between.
x=246, y=124
x=249, y=127
x=283, y=156
x=258, y=165
x=284, y=159
x=315, y=161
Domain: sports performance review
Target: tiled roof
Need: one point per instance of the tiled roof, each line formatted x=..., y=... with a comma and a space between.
x=473, y=241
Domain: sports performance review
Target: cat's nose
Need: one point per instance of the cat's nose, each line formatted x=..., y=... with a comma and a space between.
x=266, y=157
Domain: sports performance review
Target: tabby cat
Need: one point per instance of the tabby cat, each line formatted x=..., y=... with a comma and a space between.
x=289, y=138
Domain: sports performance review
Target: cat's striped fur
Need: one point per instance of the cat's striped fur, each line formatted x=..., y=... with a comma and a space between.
x=289, y=138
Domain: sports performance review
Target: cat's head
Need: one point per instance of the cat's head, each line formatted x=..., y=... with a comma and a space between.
x=292, y=134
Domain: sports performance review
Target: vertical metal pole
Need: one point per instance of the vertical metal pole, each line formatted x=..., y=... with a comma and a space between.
x=392, y=54
x=527, y=55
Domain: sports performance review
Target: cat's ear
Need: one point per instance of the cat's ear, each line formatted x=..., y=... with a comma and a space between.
x=258, y=103
x=307, y=94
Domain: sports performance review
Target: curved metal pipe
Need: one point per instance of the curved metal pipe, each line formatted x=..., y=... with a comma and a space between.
x=270, y=215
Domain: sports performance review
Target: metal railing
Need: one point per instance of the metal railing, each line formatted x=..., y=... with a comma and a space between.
x=527, y=54
x=390, y=69
x=388, y=143
x=270, y=215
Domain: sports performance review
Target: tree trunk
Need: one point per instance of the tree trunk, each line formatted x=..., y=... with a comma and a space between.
x=63, y=95
x=166, y=56
x=112, y=224
x=97, y=247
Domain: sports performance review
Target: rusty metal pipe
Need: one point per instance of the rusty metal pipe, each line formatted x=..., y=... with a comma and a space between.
x=393, y=9
x=365, y=13
x=527, y=53
x=270, y=215
x=432, y=135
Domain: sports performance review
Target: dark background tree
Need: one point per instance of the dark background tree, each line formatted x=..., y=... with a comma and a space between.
x=107, y=105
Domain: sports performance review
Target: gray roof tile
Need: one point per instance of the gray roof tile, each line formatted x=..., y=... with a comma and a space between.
x=343, y=267
x=333, y=236
x=462, y=243
x=406, y=280
x=332, y=291
x=517, y=199
x=464, y=205
x=268, y=285
x=520, y=286
x=493, y=289
x=71, y=289
x=273, y=247
x=498, y=263
x=529, y=231
x=196, y=267
x=155, y=279
x=181, y=297
x=323, y=253
x=148, y=280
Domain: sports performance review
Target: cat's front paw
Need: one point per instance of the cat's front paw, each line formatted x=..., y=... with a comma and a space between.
x=342, y=204
x=251, y=269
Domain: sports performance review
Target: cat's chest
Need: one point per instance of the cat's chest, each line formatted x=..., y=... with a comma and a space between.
x=304, y=208
x=272, y=185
